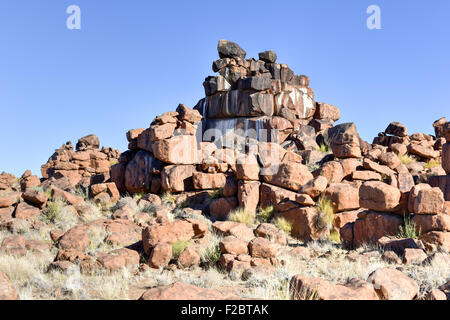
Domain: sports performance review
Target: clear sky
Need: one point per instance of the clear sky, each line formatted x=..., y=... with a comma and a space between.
x=135, y=59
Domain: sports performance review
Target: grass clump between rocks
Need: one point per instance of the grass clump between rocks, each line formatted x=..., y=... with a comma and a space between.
x=406, y=158
x=178, y=247
x=326, y=214
x=242, y=216
x=283, y=225
x=432, y=164
x=409, y=230
x=324, y=148
x=168, y=199
x=58, y=213
x=265, y=214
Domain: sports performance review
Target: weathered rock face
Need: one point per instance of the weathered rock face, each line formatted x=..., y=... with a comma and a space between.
x=424, y=199
x=446, y=157
x=138, y=172
x=290, y=175
x=391, y=284
x=379, y=196
x=303, y=288
x=176, y=150
x=305, y=224
x=371, y=226
x=177, y=178
x=343, y=196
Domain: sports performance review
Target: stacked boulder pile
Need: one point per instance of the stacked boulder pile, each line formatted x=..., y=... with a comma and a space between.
x=259, y=139
x=84, y=166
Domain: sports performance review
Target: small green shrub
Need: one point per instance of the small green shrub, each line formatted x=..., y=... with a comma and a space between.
x=324, y=148
x=242, y=216
x=82, y=192
x=409, y=230
x=178, y=247
x=47, y=192
x=313, y=166
x=58, y=213
x=283, y=225
x=265, y=214
x=53, y=210
x=210, y=252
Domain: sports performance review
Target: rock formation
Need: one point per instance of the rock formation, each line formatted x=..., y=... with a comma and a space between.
x=258, y=143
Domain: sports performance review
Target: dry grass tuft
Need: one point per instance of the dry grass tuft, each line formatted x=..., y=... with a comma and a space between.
x=406, y=158
x=265, y=214
x=242, y=216
x=283, y=225
x=60, y=214
x=432, y=164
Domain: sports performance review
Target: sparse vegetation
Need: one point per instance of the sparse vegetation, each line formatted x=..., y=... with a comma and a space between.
x=313, y=166
x=265, y=214
x=148, y=208
x=138, y=196
x=432, y=164
x=178, y=247
x=58, y=213
x=93, y=212
x=168, y=199
x=242, y=216
x=283, y=225
x=409, y=229
x=47, y=192
x=406, y=158
x=334, y=237
x=82, y=192
x=324, y=148
x=325, y=218
x=97, y=236
x=210, y=254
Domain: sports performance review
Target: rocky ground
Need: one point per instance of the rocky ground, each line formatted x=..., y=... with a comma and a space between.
x=253, y=193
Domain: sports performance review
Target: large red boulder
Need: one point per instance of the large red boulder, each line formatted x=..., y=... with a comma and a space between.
x=379, y=196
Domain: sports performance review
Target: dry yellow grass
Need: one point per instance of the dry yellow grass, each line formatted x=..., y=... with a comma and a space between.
x=242, y=216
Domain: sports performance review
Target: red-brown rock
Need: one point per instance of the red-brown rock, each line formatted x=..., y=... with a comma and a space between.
x=379, y=196
x=391, y=284
x=343, y=196
x=423, y=199
x=262, y=248
x=305, y=288
x=183, y=291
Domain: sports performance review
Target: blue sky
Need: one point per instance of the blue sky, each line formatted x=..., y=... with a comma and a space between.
x=135, y=59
